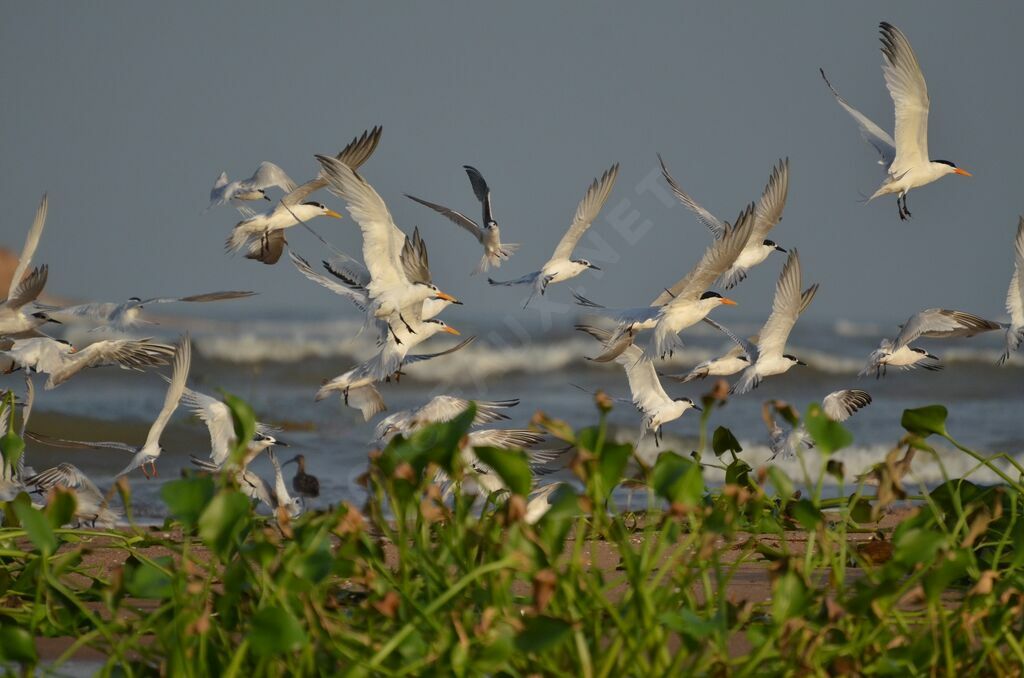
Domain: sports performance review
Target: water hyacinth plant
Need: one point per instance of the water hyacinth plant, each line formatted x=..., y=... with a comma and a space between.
x=753, y=577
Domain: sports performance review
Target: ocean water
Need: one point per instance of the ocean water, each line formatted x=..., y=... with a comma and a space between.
x=277, y=365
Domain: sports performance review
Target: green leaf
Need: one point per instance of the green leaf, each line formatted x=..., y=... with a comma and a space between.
x=510, y=465
x=945, y=572
x=60, y=508
x=724, y=441
x=542, y=633
x=806, y=514
x=187, y=498
x=917, y=545
x=11, y=447
x=829, y=436
x=143, y=580
x=789, y=597
x=37, y=526
x=737, y=473
x=612, y=464
x=781, y=482
x=688, y=623
x=275, y=630
x=860, y=511
x=677, y=479
x=17, y=645
x=437, y=443
x=223, y=520
x=925, y=421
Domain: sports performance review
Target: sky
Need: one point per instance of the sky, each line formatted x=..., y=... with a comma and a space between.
x=126, y=113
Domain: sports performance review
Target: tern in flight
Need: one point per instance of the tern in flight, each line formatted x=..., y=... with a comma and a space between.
x=124, y=316
x=768, y=357
x=560, y=267
x=61, y=361
x=438, y=409
x=146, y=455
x=766, y=215
x=489, y=235
x=91, y=507
x=932, y=323
x=261, y=235
x=267, y=175
x=686, y=303
x=648, y=395
x=905, y=158
x=400, y=278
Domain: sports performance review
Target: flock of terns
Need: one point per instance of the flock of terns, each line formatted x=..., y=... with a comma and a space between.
x=392, y=287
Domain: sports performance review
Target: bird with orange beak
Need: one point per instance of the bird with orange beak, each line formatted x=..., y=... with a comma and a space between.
x=261, y=234
x=683, y=304
x=906, y=158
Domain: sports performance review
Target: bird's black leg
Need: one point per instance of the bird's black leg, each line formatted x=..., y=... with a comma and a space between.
x=407, y=325
x=394, y=334
x=906, y=210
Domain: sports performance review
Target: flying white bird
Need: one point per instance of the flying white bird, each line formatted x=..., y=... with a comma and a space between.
x=768, y=358
x=25, y=289
x=648, y=395
x=400, y=278
x=357, y=385
x=150, y=450
x=262, y=234
x=767, y=214
x=1015, y=297
x=906, y=159
x=732, y=361
x=124, y=316
x=61, y=361
x=837, y=406
x=560, y=267
x=488, y=235
x=933, y=323
x=438, y=409
x=685, y=303
x=267, y=175
x=217, y=416
x=91, y=507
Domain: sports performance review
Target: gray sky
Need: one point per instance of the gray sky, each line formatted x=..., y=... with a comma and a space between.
x=127, y=113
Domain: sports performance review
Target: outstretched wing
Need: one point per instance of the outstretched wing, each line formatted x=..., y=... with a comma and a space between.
x=382, y=239
x=939, y=323
x=718, y=257
x=457, y=218
x=840, y=405
x=29, y=288
x=31, y=243
x=268, y=174
x=353, y=156
x=182, y=362
x=786, y=308
x=714, y=224
x=772, y=202
x=80, y=444
x=905, y=82
x=869, y=131
x=356, y=295
x=586, y=212
x=481, y=190
x=201, y=298
x=127, y=353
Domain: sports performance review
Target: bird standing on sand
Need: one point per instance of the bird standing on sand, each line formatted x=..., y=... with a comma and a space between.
x=906, y=158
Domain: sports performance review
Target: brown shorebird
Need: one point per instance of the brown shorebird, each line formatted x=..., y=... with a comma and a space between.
x=304, y=484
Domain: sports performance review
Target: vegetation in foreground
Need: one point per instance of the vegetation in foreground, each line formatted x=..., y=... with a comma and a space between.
x=413, y=584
